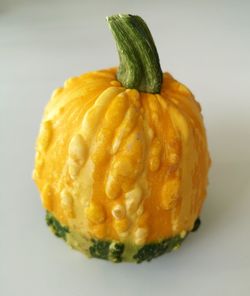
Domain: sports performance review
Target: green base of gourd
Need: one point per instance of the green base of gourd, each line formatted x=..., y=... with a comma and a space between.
x=112, y=250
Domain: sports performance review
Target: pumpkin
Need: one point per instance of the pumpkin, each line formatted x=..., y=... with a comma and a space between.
x=121, y=158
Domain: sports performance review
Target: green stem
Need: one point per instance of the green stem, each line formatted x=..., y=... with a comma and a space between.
x=139, y=61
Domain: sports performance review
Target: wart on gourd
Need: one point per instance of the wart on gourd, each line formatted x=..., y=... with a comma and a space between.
x=117, y=155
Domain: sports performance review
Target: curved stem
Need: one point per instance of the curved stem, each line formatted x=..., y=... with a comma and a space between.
x=139, y=61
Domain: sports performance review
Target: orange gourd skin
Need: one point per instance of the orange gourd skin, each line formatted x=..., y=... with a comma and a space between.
x=118, y=164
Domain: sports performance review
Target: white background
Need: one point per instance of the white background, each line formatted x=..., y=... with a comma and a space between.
x=204, y=44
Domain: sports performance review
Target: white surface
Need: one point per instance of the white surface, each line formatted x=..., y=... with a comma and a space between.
x=204, y=44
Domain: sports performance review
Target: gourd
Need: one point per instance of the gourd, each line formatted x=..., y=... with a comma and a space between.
x=121, y=158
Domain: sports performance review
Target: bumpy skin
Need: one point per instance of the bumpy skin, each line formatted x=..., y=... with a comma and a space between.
x=116, y=251
x=113, y=164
